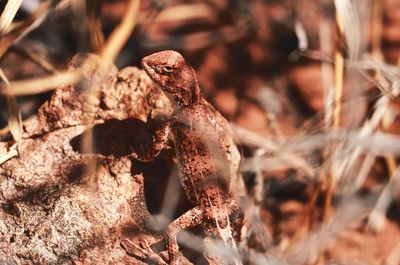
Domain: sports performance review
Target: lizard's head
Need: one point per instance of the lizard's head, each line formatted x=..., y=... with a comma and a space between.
x=169, y=70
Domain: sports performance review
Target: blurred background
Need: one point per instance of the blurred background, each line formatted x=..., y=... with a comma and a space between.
x=311, y=89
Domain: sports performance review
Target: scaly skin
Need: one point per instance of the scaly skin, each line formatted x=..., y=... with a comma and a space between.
x=207, y=156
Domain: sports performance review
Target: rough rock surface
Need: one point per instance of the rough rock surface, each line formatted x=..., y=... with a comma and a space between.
x=59, y=205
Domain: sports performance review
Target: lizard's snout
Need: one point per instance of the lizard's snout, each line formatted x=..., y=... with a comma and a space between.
x=146, y=67
x=144, y=63
x=148, y=61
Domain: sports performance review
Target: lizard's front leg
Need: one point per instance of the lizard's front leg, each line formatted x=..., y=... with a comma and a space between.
x=191, y=218
x=160, y=137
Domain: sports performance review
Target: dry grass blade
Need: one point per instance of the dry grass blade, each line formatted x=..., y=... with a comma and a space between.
x=325, y=35
x=349, y=24
x=8, y=15
x=261, y=259
x=344, y=163
x=94, y=24
x=198, y=40
x=377, y=217
x=37, y=85
x=110, y=51
x=43, y=84
x=14, y=115
x=339, y=69
x=348, y=153
x=363, y=173
x=301, y=35
x=376, y=29
x=13, y=152
x=307, y=250
x=378, y=143
x=35, y=58
x=108, y=54
x=327, y=70
x=217, y=248
x=4, y=131
x=120, y=35
x=189, y=11
x=23, y=28
x=114, y=44
x=253, y=139
x=333, y=175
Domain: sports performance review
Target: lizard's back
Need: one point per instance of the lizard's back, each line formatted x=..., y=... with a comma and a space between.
x=207, y=156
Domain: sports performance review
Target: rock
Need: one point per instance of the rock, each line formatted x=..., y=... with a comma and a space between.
x=60, y=205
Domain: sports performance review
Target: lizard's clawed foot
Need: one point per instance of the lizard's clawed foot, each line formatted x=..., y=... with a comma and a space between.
x=182, y=260
x=142, y=251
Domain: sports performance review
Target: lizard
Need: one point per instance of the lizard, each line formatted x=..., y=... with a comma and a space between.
x=207, y=157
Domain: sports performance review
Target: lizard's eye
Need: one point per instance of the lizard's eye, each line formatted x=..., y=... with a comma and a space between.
x=168, y=69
